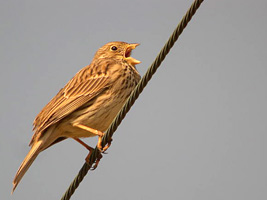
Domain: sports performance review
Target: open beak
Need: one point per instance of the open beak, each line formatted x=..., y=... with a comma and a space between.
x=128, y=52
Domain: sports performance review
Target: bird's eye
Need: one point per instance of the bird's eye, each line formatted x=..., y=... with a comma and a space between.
x=114, y=48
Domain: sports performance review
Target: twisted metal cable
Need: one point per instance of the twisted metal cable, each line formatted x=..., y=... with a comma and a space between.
x=134, y=95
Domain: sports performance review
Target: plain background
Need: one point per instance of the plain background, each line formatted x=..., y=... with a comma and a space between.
x=198, y=131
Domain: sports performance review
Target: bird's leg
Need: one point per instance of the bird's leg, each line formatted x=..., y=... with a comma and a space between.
x=97, y=132
x=91, y=130
x=99, y=145
x=84, y=144
x=89, y=154
x=90, y=149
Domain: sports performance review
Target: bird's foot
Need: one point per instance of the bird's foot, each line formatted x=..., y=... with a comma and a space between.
x=95, y=164
x=105, y=148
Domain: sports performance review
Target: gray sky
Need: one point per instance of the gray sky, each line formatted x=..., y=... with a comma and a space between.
x=198, y=131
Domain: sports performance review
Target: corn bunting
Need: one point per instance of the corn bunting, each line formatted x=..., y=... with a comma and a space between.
x=88, y=103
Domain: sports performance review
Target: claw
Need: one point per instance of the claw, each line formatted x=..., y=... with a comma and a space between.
x=99, y=146
x=94, y=166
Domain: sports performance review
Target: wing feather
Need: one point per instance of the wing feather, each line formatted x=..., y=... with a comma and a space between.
x=78, y=91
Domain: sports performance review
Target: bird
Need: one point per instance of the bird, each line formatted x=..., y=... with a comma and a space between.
x=87, y=104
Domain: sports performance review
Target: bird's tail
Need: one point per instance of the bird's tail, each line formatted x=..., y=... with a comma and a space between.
x=28, y=160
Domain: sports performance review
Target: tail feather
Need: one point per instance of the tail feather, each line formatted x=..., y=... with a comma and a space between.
x=28, y=160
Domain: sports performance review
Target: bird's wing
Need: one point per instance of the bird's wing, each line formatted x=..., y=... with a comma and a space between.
x=78, y=91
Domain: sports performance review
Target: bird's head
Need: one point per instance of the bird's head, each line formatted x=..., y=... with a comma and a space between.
x=118, y=50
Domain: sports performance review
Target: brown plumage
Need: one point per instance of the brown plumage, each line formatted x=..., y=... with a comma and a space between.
x=88, y=103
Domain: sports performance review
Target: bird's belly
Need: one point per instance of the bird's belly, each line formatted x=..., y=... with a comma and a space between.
x=98, y=115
